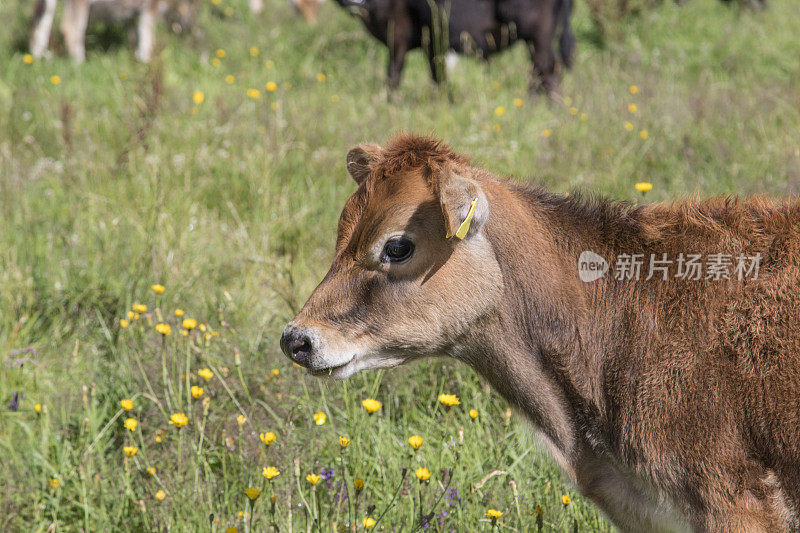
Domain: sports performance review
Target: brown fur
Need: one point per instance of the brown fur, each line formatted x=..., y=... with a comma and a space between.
x=673, y=405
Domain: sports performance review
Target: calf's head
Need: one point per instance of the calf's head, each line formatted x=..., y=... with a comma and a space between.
x=413, y=269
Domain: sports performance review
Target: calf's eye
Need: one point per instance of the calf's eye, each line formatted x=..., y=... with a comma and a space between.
x=397, y=250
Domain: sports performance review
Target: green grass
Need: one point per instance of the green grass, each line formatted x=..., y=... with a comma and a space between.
x=114, y=180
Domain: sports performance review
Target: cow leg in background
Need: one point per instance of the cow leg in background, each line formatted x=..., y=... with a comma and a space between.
x=399, y=41
x=43, y=15
x=146, y=31
x=544, y=78
x=256, y=6
x=76, y=17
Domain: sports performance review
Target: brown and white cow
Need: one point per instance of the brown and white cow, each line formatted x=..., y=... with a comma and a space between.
x=673, y=403
x=76, y=18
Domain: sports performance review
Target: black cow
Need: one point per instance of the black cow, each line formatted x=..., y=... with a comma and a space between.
x=478, y=27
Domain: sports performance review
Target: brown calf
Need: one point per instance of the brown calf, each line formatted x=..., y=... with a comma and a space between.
x=672, y=402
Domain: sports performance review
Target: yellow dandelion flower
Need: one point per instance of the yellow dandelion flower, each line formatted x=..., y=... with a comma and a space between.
x=496, y=127
x=136, y=316
x=275, y=372
x=178, y=313
x=252, y=493
x=27, y=59
x=160, y=495
x=139, y=308
x=629, y=126
x=55, y=79
x=449, y=400
x=334, y=98
x=358, y=483
x=634, y=89
x=130, y=424
x=415, y=441
x=254, y=51
x=198, y=97
x=644, y=135
x=205, y=373
x=126, y=404
x=267, y=438
x=547, y=132
x=269, y=63
x=130, y=451
x=517, y=102
x=230, y=79
x=344, y=442
x=473, y=413
x=123, y=76
x=565, y=499
x=632, y=108
x=189, y=323
x=123, y=323
x=184, y=332
x=422, y=474
x=38, y=408
x=231, y=529
x=643, y=186
x=494, y=514
x=178, y=420
x=584, y=117
x=255, y=94
x=321, y=77
x=54, y=483
x=196, y=391
x=320, y=418
x=215, y=62
x=241, y=419
x=220, y=53
x=270, y=472
x=130, y=315
x=567, y=101
x=499, y=111
x=159, y=435
x=164, y=329
x=369, y=522
x=573, y=111
x=158, y=288
x=151, y=470
x=371, y=405
x=271, y=86
x=313, y=479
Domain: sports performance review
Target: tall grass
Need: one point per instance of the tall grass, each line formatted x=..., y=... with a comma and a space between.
x=117, y=178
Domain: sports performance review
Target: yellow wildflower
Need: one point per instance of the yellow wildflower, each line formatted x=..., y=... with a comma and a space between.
x=499, y=111
x=449, y=400
x=231, y=529
x=160, y=495
x=422, y=474
x=123, y=323
x=584, y=117
x=151, y=470
x=271, y=86
x=205, y=373
x=573, y=111
x=55, y=80
x=179, y=313
x=189, y=323
x=633, y=89
x=369, y=522
x=130, y=315
x=159, y=435
x=344, y=442
x=252, y=493
x=139, y=308
x=358, y=483
x=334, y=98
x=184, y=332
x=629, y=126
x=313, y=479
x=371, y=405
x=496, y=127
x=473, y=413
x=38, y=408
x=270, y=472
x=547, y=132
x=164, y=329
x=565, y=499
x=126, y=404
x=320, y=418
x=269, y=63
x=178, y=420
x=267, y=438
x=321, y=77
x=643, y=186
x=275, y=371
x=54, y=483
x=130, y=451
x=644, y=135
x=215, y=62
x=415, y=441
x=632, y=108
x=220, y=53
x=196, y=391
x=27, y=59
x=494, y=514
x=241, y=419
x=254, y=51
x=158, y=288
x=130, y=424
x=255, y=94
x=517, y=102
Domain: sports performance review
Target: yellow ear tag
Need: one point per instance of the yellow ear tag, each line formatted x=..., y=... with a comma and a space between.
x=462, y=230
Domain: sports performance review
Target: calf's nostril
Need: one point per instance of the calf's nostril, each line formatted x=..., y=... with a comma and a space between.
x=296, y=346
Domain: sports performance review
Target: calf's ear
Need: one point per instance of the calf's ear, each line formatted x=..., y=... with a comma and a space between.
x=464, y=205
x=359, y=159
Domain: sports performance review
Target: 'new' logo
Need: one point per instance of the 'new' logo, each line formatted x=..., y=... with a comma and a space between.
x=591, y=266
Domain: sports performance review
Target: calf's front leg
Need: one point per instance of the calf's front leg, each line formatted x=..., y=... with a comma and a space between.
x=76, y=17
x=146, y=31
x=42, y=24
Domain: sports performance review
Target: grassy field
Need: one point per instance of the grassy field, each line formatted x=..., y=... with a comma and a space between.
x=191, y=173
